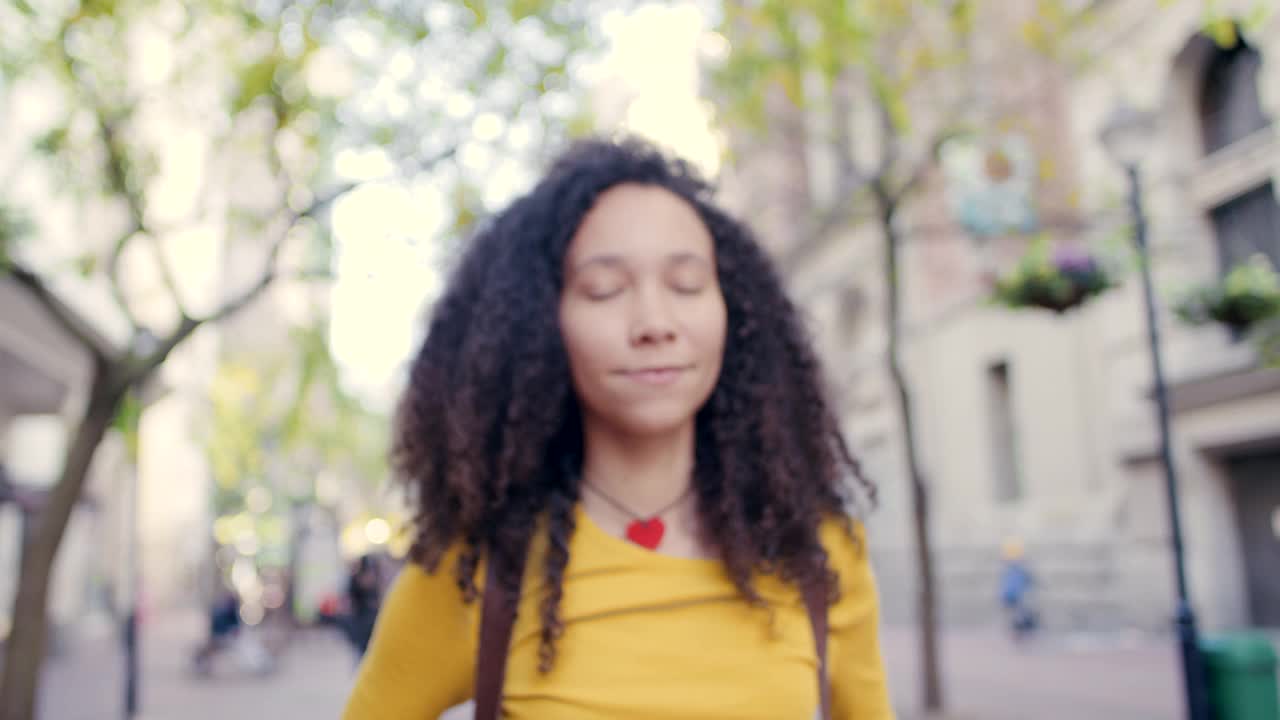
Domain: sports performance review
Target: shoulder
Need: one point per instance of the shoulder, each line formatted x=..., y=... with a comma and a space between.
x=418, y=594
x=419, y=661
x=845, y=540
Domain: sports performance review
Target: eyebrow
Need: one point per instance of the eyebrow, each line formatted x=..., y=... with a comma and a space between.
x=610, y=260
x=606, y=260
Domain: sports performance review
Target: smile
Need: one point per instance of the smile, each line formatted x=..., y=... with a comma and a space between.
x=656, y=375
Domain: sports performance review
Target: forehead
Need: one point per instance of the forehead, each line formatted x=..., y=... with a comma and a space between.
x=633, y=220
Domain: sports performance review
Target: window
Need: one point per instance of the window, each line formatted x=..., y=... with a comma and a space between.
x=1229, y=105
x=1230, y=111
x=1248, y=225
x=1003, y=429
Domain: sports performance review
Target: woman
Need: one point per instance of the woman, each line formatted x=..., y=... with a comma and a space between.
x=616, y=396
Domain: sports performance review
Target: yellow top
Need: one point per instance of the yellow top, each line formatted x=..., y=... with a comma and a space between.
x=646, y=636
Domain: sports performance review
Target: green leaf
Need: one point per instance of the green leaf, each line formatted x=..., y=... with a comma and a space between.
x=1222, y=30
x=126, y=422
x=51, y=142
x=98, y=8
x=86, y=264
x=496, y=62
x=479, y=10
x=1258, y=17
x=256, y=80
x=581, y=124
x=521, y=9
x=15, y=226
x=962, y=14
x=383, y=135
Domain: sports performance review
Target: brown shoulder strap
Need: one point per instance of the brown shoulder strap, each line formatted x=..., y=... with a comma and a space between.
x=497, y=615
x=815, y=601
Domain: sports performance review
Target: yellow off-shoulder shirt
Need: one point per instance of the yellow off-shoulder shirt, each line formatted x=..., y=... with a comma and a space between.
x=646, y=636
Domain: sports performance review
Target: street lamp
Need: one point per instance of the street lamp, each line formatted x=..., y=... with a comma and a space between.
x=1127, y=135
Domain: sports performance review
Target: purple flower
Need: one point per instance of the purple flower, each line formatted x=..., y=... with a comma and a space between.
x=1073, y=258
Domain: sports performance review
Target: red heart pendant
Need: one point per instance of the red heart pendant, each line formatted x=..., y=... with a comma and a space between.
x=646, y=533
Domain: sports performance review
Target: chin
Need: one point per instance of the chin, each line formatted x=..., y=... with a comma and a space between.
x=643, y=421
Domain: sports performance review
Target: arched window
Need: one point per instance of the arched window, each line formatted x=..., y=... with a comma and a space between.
x=1229, y=105
x=1230, y=111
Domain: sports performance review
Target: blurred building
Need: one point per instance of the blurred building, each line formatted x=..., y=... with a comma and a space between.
x=1038, y=426
x=44, y=377
x=132, y=528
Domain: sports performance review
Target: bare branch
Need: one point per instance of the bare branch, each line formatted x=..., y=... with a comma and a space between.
x=843, y=207
x=265, y=278
x=888, y=133
x=841, y=211
x=118, y=181
x=67, y=318
x=166, y=274
x=312, y=275
x=425, y=164
x=842, y=130
x=117, y=173
x=113, y=280
x=924, y=164
x=166, y=346
x=270, y=271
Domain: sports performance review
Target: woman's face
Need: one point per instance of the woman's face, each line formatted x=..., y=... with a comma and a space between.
x=641, y=312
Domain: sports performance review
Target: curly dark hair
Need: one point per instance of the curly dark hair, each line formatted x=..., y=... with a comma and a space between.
x=488, y=435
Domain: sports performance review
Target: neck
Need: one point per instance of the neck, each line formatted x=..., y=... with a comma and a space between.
x=644, y=473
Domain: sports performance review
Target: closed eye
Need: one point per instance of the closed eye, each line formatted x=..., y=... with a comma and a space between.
x=689, y=275
x=600, y=281
x=600, y=295
x=689, y=288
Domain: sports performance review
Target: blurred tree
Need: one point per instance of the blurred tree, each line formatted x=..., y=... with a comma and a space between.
x=161, y=125
x=276, y=423
x=294, y=407
x=884, y=80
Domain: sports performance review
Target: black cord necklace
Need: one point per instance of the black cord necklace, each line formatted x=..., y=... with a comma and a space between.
x=645, y=531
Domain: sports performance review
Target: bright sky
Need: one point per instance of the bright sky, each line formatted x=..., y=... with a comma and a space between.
x=385, y=282
x=388, y=261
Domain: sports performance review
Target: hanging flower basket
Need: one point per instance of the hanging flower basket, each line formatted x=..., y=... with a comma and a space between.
x=1057, y=277
x=1247, y=296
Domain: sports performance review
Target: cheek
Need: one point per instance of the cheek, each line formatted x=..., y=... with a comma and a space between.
x=585, y=339
x=710, y=328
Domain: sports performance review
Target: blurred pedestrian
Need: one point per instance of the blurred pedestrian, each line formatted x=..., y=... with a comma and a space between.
x=364, y=595
x=616, y=393
x=224, y=623
x=1016, y=591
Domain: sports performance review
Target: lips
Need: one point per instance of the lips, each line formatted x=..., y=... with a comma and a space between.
x=656, y=376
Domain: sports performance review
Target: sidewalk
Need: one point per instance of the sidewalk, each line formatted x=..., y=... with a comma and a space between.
x=312, y=680
x=985, y=677
x=1100, y=677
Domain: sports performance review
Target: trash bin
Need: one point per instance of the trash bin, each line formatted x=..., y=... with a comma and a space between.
x=1242, y=677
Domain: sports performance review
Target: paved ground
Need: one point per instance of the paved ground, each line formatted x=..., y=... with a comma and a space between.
x=1100, y=678
x=311, y=679
x=1113, y=677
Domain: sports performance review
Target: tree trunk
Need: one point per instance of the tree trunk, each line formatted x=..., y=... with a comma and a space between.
x=24, y=654
x=926, y=607
x=299, y=516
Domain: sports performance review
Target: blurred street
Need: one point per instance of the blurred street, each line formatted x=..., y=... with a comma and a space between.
x=86, y=683
x=1112, y=677
x=1101, y=677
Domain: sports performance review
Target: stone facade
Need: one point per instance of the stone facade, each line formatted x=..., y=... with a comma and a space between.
x=1073, y=470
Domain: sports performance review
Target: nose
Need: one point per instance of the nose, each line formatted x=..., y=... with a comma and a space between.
x=652, y=322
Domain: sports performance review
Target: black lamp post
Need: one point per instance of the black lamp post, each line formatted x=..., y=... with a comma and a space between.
x=1126, y=136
